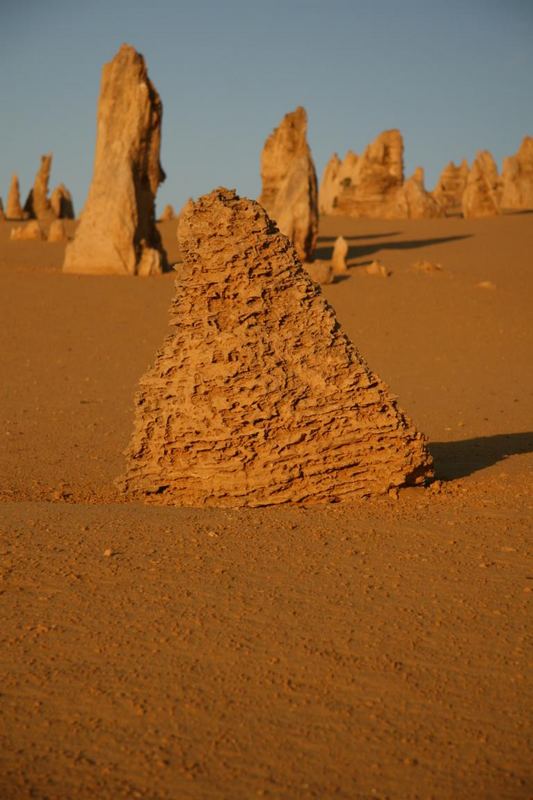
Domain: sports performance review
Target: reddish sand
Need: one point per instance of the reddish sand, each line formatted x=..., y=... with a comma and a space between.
x=354, y=651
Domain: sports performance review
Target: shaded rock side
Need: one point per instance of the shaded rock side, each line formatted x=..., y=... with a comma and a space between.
x=450, y=187
x=482, y=195
x=117, y=232
x=14, y=208
x=257, y=397
x=61, y=202
x=289, y=185
x=37, y=205
x=2, y=212
x=517, y=177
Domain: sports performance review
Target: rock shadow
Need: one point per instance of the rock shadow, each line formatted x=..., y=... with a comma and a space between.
x=360, y=251
x=364, y=236
x=460, y=459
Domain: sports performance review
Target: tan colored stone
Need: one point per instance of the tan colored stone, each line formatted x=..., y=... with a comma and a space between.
x=168, y=214
x=117, y=232
x=414, y=202
x=38, y=204
x=328, y=185
x=371, y=189
x=451, y=185
x=57, y=231
x=31, y=230
x=340, y=254
x=14, y=209
x=256, y=396
x=379, y=270
x=481, y=197
x=517, y=177
x=61, y=202
x=428, y=267
x=320, y=272
x=372, y=185
x=289, y=186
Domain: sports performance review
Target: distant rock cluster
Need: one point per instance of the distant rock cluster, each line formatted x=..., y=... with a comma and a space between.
x=39, y=205
x=372, y=185
x=117, y=233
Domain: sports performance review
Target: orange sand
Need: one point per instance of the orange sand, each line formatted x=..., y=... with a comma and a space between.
x=372, y=650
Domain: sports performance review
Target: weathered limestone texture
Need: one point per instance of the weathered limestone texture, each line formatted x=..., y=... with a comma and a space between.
x=340, y=254
x=14, y=208
x=482, y=195
x=450, y=187
x=414, y=202
x=117, y=232
x=31, y=230
x=289, y=185
x=372, y=185
x=61, y=202
x=371, y=189
x=57, y=231
x=517, y=177
x=257, y=397
x=38, y=205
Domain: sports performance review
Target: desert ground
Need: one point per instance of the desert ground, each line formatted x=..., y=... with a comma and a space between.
x=373, y=650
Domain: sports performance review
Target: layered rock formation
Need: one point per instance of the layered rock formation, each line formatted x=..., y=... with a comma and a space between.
x=517, y=177
x=14, y=208
x=117, y=232
x=482, y=194
x=38, y=204
x=451, y=185
x=61, y=202
x=257, y=397
x=289, y=186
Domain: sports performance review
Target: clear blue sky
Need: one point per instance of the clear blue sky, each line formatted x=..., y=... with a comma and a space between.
x=454, y=75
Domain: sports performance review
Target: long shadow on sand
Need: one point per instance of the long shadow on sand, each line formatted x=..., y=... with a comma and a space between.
x=459, y=459
x=325, y=239
x=360, y=251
